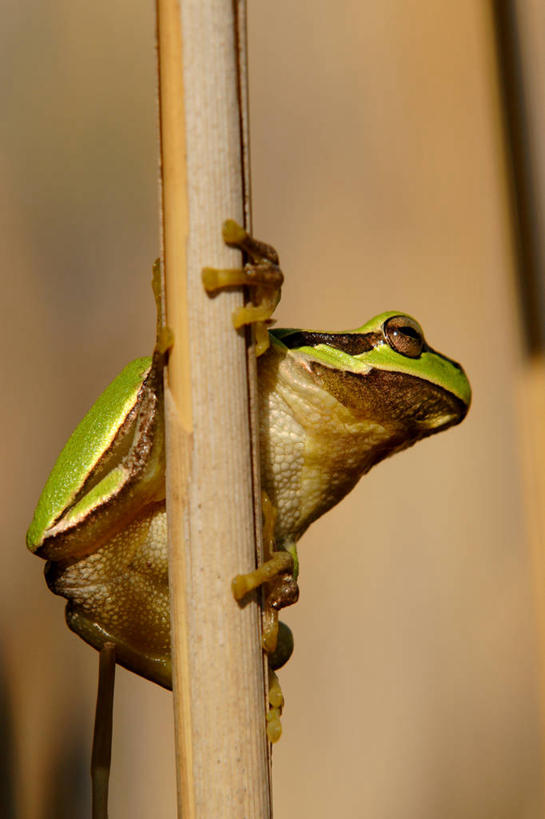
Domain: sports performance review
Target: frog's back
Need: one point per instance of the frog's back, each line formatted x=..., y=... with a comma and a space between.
x=90, y=440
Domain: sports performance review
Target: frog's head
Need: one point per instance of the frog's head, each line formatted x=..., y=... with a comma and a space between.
x=385, y=372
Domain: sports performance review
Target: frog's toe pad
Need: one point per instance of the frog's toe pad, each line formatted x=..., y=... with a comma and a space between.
x=233, y=233
x=274, y=725
x=276, y=704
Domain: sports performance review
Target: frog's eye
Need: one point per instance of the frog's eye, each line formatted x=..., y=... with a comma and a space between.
x=405, y=336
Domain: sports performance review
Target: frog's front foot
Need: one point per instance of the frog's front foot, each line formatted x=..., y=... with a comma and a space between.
x=277, y=640
x=261, y=273
x=280, y=564
x=278, y=576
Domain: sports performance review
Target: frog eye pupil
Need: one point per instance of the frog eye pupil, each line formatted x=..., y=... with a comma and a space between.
x=411, y=332
x=405, y=336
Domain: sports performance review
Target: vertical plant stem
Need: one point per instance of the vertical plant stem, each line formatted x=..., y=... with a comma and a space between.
x=519, y=46
x=217, y=660
x=102, y=737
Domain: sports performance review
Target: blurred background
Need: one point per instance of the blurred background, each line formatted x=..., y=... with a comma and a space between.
x=380, y=173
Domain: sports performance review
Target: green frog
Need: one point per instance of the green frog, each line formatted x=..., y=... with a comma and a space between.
x=332, y=404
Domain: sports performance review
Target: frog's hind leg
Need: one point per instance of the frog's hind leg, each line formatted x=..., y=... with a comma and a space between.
x=155, y=667
x=278, y=576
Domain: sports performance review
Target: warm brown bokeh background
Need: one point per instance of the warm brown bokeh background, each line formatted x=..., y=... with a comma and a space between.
x=378, y=172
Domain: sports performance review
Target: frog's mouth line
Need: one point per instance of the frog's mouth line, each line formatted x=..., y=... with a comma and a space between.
x=393, y=397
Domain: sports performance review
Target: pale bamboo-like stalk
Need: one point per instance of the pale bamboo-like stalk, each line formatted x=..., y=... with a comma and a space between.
x=217, y=660
x=532, y=412
x=520, y=42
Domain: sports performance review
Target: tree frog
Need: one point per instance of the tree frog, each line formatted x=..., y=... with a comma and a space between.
x=331, y=405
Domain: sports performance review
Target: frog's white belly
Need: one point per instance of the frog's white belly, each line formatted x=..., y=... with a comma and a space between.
x=313, y=450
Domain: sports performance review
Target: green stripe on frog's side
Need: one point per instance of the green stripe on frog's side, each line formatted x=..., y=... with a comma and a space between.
x=106, y=488
x=85, y=447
